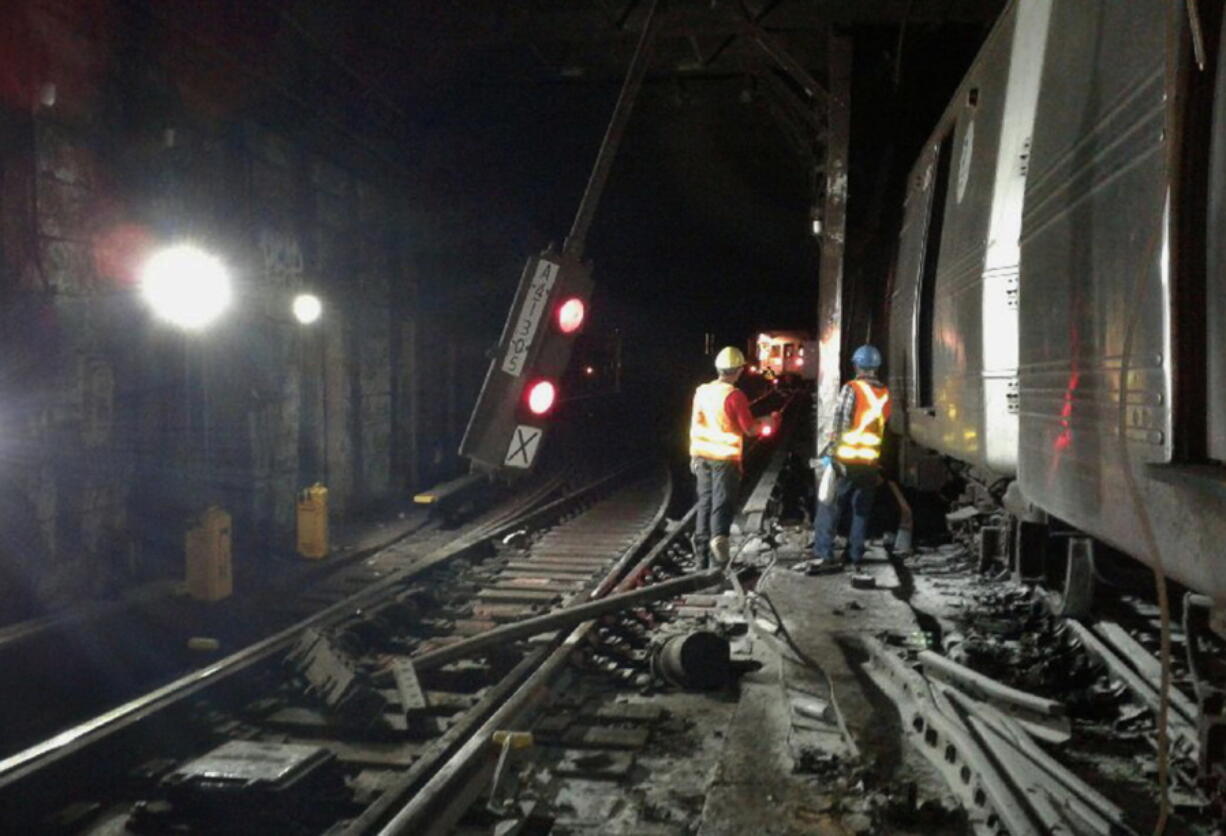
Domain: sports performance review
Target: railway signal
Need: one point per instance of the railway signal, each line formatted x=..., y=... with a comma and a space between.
x=521, y=388
x=523, y=385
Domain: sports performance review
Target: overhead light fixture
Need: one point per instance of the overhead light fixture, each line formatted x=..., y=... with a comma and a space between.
x=815, y=215
x=185, y=286
x=307, y=308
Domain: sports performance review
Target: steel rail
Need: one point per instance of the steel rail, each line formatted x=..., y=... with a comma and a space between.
x=990, y=802
x=435, y=806
x=1183, y=732
x=565, y=617
x=420, y=812
x=67, y=743
x=18, y=634
x=1027, y=759
x=406, y=790
x=1147, y=664
x=1043, y=717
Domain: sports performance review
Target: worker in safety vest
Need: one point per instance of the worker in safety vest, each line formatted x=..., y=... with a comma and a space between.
x=855, y=445
x=719, y=421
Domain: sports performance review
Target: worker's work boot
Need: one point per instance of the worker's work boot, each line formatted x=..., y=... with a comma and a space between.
x=702, y=557
x=721, y=549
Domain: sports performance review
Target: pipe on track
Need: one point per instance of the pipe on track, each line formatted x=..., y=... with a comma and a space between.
x=567, y=617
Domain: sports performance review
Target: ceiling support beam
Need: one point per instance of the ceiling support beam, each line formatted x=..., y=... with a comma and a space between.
x=833, y=221
x=624, y=17
x=797, y=137
x=792, y=103
x=786, y=62
x=577, y=238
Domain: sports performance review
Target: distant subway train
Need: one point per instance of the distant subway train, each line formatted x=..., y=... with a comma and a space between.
x=784, y=354
x=1058, y=309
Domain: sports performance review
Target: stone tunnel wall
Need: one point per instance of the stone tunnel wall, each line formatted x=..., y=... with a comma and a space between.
x=115, y=428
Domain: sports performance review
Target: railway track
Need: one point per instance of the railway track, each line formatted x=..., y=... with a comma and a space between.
x=63, y=668
x=326, y=722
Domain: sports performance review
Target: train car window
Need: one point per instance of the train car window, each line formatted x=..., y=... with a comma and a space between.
x=928, y=279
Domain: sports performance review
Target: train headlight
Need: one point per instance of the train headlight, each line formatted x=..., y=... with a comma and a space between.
x=185, y=286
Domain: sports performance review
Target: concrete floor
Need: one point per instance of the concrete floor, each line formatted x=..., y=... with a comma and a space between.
x=767, y=780
x=746, y=759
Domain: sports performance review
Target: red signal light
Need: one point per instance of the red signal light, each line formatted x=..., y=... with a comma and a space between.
x=541, y=396
x=571, y=314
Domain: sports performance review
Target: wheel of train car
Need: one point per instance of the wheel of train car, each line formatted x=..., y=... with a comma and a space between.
x=1072, y=587
x=1026, y=543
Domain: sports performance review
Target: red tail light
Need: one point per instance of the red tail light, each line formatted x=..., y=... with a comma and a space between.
x=571, y=314
x=541, y=396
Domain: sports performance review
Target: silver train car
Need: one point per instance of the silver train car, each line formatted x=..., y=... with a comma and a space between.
x=1058, y=314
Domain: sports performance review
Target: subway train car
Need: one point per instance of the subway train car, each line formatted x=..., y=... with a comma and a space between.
x=1058, y=315
x=785, y=354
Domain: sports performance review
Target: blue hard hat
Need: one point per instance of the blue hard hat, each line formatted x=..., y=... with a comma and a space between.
x=866, y=357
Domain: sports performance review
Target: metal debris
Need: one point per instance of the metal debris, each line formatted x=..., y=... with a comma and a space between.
x=1045, y=718
x=1003, y=779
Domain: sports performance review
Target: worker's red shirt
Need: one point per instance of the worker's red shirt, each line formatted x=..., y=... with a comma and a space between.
x=736, y=407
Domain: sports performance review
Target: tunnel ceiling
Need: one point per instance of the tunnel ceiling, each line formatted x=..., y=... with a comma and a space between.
x=428, y=43
x=501, y=106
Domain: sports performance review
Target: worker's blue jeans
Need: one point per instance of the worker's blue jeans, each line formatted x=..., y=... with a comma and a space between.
x=858, y=493
x=718, y=486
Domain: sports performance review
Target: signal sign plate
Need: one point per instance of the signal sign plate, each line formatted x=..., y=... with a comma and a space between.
x=525, y=441
x=536, y=299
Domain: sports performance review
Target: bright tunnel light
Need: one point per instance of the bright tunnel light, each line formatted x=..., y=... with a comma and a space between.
x=185, y=286
x=307, y=308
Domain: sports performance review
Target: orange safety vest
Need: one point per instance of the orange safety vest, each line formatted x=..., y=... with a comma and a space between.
x=862, y=443
x=712, y=433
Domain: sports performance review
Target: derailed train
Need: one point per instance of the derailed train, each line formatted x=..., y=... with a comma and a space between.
x=1058, y=309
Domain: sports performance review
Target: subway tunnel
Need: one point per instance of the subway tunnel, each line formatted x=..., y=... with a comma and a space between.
x=279, y=281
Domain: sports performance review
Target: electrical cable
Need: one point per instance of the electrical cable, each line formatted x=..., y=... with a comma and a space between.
x=747, y=601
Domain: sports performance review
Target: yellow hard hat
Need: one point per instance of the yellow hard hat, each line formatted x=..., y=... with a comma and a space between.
x=729, y=358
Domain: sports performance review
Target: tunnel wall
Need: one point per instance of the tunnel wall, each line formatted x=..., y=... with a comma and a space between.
x=117, y=135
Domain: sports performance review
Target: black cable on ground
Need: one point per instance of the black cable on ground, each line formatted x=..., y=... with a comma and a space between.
x=804, y=658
